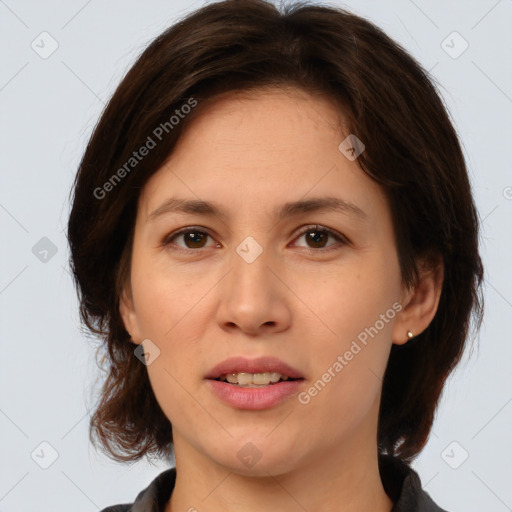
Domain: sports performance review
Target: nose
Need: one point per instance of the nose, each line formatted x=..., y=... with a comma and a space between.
x=254, y=297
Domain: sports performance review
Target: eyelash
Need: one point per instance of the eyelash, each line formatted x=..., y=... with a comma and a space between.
x=167, y=241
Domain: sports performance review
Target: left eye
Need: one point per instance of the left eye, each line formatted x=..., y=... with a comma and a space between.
x=316, y=235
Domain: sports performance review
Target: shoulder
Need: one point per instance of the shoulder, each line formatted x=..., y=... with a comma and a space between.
x=151, y=499
x=403, y=485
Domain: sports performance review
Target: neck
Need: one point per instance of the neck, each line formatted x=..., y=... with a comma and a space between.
x=326, y=483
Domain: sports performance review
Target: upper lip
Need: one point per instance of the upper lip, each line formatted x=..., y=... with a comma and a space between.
x=260, y=365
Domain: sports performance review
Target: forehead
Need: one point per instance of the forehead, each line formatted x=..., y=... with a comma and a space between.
x=276, y=108
x=253, y=148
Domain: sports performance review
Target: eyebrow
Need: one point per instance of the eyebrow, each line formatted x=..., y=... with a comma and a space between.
x=290, y=209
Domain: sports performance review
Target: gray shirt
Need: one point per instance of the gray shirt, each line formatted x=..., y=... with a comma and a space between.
x=401, y=483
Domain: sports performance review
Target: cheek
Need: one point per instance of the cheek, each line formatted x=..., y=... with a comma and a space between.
x=347, y=374
x=355, y=296
x=358, y=305
x=170, y=307
x=168, y=316
x=164, y=298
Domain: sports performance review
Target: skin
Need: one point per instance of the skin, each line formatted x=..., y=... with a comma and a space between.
x=199, y=302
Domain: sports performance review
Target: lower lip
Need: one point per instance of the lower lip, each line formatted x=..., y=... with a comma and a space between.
x=255, y=398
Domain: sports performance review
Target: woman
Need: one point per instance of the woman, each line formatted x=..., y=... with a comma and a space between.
x=273, y=231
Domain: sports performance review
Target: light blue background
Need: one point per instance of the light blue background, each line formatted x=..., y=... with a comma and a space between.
x=48, y=108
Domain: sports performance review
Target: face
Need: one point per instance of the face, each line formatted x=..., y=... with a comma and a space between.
x=318, y=289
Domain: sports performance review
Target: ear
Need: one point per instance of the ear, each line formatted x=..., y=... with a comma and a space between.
x=128, y=314
x=419, y=304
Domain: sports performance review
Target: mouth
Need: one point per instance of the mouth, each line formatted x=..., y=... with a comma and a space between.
x=255, y=380
x=260, y=372
x=254, y=384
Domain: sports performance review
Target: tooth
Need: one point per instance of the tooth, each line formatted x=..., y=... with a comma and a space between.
x=244, y=378
x=261, y=378
x=232, y=378
x=253, y=379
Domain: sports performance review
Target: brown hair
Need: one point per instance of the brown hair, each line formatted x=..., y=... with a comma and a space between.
x=412, y=150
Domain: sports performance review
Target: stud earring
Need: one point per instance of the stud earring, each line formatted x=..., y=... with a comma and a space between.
x=410, y=334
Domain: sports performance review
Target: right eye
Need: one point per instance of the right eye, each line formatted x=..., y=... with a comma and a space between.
x=192, y=237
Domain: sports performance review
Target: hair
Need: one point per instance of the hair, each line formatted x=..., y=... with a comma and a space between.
x=412, y=150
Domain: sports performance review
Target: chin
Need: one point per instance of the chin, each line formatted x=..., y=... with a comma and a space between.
x=256, y=457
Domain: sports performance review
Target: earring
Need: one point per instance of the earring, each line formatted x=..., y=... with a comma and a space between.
x=410, y=334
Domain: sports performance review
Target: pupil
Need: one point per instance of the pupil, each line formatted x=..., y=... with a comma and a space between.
x=194, y=237
x=315, y=239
